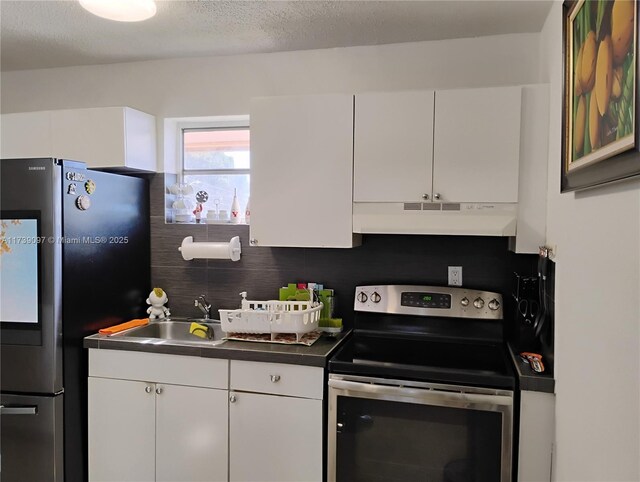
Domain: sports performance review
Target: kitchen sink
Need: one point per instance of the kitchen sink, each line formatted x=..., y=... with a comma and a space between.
x=173, y=331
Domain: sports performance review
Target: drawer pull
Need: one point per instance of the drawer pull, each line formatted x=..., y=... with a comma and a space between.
x=275, y=378
x=23, y=410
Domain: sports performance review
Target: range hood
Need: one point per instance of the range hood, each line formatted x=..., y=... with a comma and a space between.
x=471, y=219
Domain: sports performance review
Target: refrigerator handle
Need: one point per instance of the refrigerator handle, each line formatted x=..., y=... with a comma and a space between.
x=21, y=410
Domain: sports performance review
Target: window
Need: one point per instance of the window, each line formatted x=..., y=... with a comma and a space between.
x=217, y=161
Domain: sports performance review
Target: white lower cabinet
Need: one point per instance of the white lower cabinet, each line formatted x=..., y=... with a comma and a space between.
x=121, y=430
x=177, y=418
x=274, y=438
x=145, y=431
x=537, y=428
x=191, y=434
x=147, y=424
x=275, y=422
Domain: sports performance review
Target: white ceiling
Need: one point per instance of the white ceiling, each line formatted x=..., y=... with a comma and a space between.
x=60, y=33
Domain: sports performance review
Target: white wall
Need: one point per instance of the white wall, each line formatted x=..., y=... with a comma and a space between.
x=220, y=86
x=597, y=351
x=224, y=85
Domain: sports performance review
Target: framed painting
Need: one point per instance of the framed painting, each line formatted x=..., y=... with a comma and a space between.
x=600, y=118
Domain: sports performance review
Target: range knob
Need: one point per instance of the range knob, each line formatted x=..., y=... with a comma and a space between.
x=494, y=304
x=464, y=301
x=362, y=297
x=375, y=297
x=478, y=303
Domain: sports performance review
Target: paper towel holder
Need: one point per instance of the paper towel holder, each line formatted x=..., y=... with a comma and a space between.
x=208, y=250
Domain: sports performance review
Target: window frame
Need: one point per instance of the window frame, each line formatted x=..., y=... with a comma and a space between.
x=208, y=124
x=212, y=171
x=227, y=123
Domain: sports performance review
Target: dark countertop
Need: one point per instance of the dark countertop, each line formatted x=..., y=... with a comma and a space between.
x=528, y=379
x=315, y=355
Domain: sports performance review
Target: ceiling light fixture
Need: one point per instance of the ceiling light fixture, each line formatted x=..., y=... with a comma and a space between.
x=121, y=10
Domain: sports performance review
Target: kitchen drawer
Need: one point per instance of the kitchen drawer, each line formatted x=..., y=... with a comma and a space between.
x=277, y=378
x=159, y=368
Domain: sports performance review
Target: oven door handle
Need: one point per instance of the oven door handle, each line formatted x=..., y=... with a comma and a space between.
x=423, y=395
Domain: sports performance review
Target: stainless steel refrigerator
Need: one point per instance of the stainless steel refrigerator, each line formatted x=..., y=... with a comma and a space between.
x=74, y=258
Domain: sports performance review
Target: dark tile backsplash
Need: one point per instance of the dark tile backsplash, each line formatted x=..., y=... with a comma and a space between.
x=400, y=259
x=161, y=200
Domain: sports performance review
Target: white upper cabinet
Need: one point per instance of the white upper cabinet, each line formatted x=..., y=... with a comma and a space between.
x=103, y=137
x=461, y=147
x=393, y=146
x=302, y=171
x=477, y=145
x=416, y=162
x=111, y=137
x=531, y=229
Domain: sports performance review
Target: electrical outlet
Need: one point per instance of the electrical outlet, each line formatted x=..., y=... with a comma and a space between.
x=455, y=275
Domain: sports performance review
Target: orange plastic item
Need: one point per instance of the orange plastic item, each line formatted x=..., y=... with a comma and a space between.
x=124, y=326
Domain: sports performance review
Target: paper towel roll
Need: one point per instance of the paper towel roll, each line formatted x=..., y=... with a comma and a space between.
x=209, y=250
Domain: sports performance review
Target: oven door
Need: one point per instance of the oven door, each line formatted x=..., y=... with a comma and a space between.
x=396, y=430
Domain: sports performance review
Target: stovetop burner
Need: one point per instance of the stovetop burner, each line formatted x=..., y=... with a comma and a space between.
x=476, y=364
x=428, y=334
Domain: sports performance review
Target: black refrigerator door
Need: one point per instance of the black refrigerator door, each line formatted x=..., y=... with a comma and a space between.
x=30, y=276
x=106, y=251
x=31, y=438
x=106, y=278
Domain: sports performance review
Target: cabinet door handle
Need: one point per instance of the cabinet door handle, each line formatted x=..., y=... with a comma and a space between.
x=232, y=398
x=253, y=242
x=147, y=389
x=425, y=196
x=159, y=390
x=436, y=196
x=275, y=378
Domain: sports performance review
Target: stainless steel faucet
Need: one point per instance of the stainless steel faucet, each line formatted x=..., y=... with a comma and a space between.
x=202, y=303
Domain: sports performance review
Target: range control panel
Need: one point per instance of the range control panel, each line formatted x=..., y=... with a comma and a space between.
x=429, y=301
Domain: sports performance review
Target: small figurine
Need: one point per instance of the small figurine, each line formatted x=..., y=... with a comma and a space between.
x=157, y=299
x=201, y=197
x=198, y=212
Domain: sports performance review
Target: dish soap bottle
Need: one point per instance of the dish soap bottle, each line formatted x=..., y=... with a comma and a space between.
x=235, y=209
x=244, y=304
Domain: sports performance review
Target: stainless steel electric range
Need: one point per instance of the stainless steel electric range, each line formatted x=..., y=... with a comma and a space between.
x=423, y=389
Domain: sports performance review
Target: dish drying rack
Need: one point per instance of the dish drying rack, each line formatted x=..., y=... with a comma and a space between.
x=272, y=317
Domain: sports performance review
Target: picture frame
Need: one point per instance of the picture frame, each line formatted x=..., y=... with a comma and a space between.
x=600, y=139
